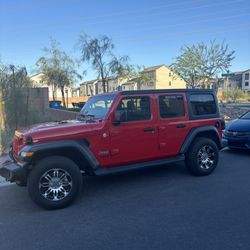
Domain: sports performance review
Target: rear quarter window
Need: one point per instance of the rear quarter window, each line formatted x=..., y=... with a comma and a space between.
x=202, y=104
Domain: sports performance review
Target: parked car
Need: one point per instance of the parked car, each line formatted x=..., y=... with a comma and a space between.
x=117, y=131
x=237, y=132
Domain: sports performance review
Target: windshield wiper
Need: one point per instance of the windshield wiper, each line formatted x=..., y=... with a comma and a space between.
x=87, y=117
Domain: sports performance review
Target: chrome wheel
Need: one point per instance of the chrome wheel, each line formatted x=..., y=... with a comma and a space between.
x=55, y=184
x=206, y=157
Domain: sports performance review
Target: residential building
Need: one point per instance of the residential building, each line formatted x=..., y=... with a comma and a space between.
x=76, y=92
x=38, y=82
x=94, y=87
x=239, y=79
x=246, y=80
x=162, y=77
x=130, y=85
x=88, y=88
x=234, y=81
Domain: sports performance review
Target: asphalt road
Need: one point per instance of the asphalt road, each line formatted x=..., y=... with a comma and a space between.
x=157, y=208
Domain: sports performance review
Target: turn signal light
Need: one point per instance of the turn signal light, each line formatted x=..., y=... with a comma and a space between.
x=26, y=154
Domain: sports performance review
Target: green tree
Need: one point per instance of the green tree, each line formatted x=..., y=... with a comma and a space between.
x=136, y=72
x=198, y=64
x=15, y=111
x=235, y=94
x=14, y=83
x=58, y=68
x=98, y=51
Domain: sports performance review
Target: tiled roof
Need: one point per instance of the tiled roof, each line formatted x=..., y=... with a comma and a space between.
x=88, y=82
x=152, y=68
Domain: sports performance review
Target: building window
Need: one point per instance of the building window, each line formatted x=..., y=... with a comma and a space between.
x=247, y=76
x=169, y=74
x=151, y=74
x=246, y=84
x=169, y=83
x=150, y=84
x=171, y=106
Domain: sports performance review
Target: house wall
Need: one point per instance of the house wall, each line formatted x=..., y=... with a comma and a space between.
x=151, y=84
x=246, y=80
x=38, y=83
x=166, y=79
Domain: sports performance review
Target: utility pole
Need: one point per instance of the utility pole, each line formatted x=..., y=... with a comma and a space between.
x=227, y=75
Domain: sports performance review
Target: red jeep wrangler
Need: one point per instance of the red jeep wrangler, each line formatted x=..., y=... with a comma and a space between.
x=116, y=132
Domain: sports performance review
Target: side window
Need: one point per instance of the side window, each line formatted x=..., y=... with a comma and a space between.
x=171, y=106
x=203, y=104
x=134, y=109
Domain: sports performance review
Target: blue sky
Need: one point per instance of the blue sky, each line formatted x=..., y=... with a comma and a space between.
x=149, y=32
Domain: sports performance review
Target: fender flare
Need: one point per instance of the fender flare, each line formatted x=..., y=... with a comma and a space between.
x=194, y=132
x=80, y=146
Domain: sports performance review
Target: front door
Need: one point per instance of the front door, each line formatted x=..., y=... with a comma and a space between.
x=135, y=138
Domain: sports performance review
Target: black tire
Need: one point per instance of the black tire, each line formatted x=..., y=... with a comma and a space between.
x=68, y=176
x=196, y=164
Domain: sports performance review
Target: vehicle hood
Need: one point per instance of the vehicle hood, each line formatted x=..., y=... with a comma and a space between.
x=63, y=130
x=240, y=125
x=48, y=125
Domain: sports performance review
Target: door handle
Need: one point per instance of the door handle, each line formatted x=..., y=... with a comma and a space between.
x=181, y=126
x=149, y=129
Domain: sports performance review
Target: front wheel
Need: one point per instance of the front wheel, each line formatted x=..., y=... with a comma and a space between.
x=202, y=157
x=54, y=182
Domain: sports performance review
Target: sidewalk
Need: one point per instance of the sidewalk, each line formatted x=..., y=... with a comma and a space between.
x=3, y=182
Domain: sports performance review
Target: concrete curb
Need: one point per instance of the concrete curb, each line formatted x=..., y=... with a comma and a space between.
x=5, y=184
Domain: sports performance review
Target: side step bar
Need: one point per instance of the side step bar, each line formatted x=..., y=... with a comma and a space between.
x=113, y=170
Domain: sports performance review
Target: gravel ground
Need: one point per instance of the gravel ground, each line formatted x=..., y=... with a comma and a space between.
x=230, y=113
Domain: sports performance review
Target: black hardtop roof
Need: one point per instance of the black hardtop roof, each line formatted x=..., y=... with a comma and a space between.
x=156, y=91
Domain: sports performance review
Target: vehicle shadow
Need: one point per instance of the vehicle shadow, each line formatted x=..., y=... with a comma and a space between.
x=242, y=152
x=97, y=185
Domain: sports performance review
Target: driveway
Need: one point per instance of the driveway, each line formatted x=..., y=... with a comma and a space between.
x=161, y=208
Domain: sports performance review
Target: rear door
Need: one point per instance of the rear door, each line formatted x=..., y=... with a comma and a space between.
x=135, y=138
x=173, y=123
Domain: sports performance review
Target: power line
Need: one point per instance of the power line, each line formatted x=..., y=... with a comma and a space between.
x=147, y=9
x=171, y=11
x=238, y=27
x=214, y=15
x=188, y=23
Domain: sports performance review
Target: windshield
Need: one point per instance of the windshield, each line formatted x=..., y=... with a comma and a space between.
x=97, y=106
x=245, y=116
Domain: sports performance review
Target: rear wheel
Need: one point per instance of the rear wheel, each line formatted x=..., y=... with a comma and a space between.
x=54, y=182
x=202, y=157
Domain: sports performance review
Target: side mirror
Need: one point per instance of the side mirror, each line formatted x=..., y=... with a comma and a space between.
x=117, y=117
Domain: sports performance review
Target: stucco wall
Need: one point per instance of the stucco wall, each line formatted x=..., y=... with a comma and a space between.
x=166, y=79
x=38, y=83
